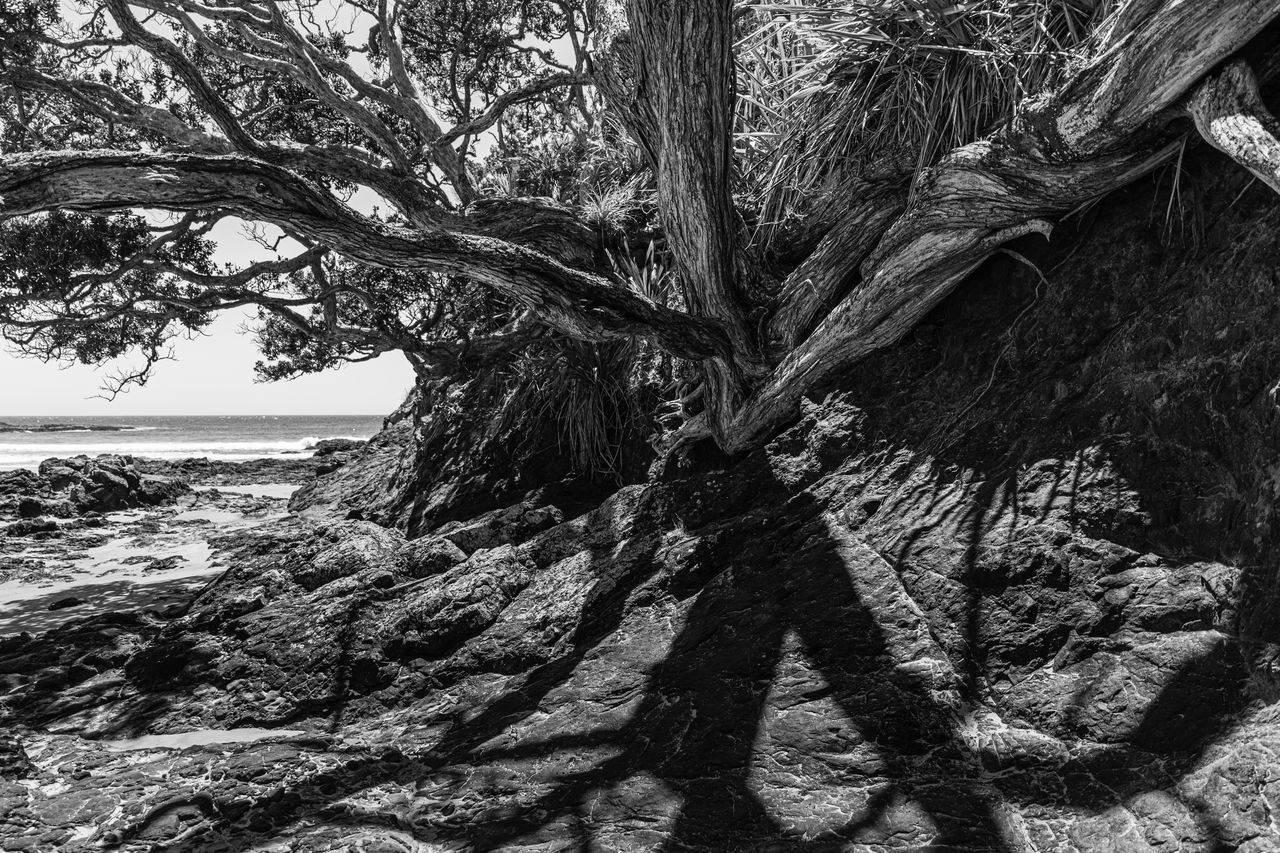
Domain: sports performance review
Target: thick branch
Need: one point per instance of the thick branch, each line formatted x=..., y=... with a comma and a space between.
x=1230, y=115
x=1093, y=136
x=812, y=290
x=576, y=303
x=408, y=194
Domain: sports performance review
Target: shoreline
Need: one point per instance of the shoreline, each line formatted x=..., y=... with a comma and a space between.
x=142, y=545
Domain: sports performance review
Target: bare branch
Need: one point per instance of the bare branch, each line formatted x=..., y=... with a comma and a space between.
x=503, y=102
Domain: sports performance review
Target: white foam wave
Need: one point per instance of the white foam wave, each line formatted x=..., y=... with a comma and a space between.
x=31, y=454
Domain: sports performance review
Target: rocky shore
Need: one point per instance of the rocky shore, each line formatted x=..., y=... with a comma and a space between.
x=1013, y=587
x=671, y=667
x=88, y=535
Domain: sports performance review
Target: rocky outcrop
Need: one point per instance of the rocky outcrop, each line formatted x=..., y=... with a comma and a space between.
x=65, y=488
x=368, y=482
x=8, y=427
x=330, y=446
x=202, y=471
x=1011, y=588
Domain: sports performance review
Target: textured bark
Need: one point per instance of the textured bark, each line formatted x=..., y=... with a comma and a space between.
x=538, y=223
x=1229, y=113
x=1096, y=134
x=826, y=275
x=671, y=77
x=684, y=72
x=574, y=302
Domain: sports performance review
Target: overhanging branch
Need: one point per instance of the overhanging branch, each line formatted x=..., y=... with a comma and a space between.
x=1229, y=113
x=576, y=303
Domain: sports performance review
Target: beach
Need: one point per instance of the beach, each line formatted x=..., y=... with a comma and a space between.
x=148, y=559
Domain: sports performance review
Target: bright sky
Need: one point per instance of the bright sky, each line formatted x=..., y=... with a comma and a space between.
x=212, y=374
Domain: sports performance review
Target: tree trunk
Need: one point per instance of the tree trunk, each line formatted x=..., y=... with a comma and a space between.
x=1098, y=133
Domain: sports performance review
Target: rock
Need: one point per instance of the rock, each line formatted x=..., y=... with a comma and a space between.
x=14, y=763
x=370, y=487
x=8, y=427
x=430, y=556
x=329, y=467
x=32, y=527
x=64, y=603
x=30, y=507
x=501, y=526
x=330, y=446
x=61, y=474
x=218, y=472
x=19, y=482
x=156, y=491
x=79, y=486
x=349, y=548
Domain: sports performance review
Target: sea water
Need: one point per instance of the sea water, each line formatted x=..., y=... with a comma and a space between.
x=228, y=437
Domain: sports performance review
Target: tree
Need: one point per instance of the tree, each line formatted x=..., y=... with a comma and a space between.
x=812, y=203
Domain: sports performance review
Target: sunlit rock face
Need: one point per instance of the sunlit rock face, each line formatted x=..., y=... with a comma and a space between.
x=1010, y=588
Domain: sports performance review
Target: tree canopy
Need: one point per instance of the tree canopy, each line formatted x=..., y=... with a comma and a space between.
x=763, y=192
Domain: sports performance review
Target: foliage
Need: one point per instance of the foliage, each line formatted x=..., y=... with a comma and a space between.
x=77, y=287
x=858, y=90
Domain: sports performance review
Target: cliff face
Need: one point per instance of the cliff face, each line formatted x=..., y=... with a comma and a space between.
x=1011, y=587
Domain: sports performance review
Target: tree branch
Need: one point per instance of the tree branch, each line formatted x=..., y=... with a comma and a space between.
x=576, y=303
x=500, y=104
x=1229, y=113
x=1096, y=134
x=203, y=93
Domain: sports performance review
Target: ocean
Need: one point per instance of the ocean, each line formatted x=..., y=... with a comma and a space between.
x=230, y=437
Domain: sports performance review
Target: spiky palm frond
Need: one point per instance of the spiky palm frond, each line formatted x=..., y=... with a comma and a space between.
x=609, y=208
x=653, y=278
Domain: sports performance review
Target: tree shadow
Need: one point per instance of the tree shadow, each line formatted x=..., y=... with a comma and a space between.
x=697, y=727
x=798, y=575
x=788, y=573
x=39, y=613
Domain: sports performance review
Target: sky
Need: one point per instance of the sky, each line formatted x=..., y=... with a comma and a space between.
x=212, y=374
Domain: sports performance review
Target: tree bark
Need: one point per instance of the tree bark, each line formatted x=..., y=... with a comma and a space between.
x=576, y=303
x=1229, y=113
x=1097, y=133
x=670, y=76
x=827, y=275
